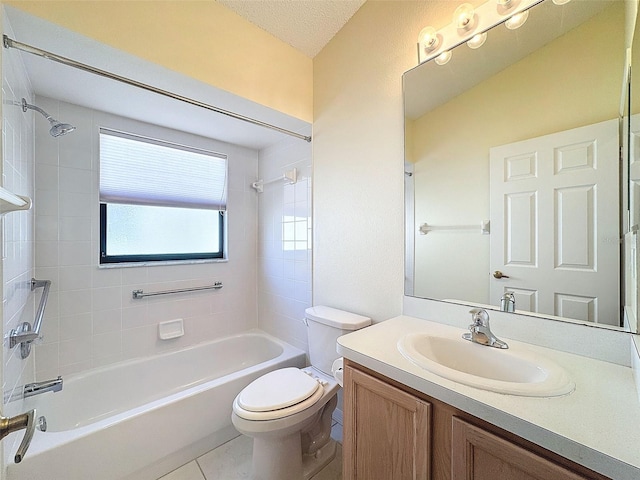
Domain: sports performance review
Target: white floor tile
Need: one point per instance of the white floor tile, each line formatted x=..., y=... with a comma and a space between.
x=231, y=461
x=336, y=432
x=190, y=471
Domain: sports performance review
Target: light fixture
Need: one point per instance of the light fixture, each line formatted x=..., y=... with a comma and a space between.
x=470, y=25
x=506, y=6
x=477, y=40
x=464, y=17
x=517, y=20
x=443, y=58
x=429, y=40
x=561, y=2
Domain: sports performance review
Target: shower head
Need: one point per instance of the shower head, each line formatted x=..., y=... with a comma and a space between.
x=57, y=128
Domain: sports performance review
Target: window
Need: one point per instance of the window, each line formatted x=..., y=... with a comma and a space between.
x=159, y=201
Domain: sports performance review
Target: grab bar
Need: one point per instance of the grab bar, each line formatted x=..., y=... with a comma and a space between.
x=136, y=294
x=25, y=334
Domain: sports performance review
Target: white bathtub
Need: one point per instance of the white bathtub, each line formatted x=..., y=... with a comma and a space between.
x=143, y=418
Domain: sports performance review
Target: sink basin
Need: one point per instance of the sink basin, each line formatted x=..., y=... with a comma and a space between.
x=512, y=371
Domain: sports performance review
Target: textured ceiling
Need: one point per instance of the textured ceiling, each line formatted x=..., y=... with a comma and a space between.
x=306, y=25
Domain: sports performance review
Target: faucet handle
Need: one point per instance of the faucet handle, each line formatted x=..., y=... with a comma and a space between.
x=480, y=317
x=13, y=424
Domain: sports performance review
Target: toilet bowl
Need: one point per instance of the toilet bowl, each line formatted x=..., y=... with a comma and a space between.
x=288, y=412
x=287, y=440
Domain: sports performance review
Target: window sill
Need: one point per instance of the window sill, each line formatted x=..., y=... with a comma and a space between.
x=158, y=264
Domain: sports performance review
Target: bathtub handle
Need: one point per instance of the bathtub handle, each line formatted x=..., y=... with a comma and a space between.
x=13, y=424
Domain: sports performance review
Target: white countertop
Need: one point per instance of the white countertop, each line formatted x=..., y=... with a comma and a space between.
x=598, y=425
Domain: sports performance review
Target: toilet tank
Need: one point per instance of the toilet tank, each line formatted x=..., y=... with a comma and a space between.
x=324, y=326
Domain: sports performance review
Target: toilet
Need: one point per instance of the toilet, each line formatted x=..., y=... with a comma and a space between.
x=288, y=411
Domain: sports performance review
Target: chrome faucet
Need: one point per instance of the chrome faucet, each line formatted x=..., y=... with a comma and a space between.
x=479, y=331
x=508, y=302
x=36, y=388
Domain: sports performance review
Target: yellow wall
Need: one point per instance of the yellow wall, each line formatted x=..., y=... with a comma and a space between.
x=358, y=181
x=201, y=39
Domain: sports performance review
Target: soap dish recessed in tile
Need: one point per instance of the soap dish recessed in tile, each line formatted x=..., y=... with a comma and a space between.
x=171, y=329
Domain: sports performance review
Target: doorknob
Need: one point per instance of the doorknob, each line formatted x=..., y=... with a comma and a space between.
x=498, y=274
x=13, y=424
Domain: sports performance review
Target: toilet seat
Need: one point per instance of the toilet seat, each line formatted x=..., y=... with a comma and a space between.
x=278, y=394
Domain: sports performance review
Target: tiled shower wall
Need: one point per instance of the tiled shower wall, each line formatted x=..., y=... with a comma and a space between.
x=284, y=242
x=91, y=319
x=17, y=228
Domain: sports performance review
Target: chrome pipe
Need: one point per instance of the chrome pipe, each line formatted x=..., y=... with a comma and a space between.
x=10, y=43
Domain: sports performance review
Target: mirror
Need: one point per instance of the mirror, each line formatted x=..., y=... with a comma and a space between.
x=512, y=169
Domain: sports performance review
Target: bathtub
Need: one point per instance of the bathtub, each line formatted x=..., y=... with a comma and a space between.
x=142, y=418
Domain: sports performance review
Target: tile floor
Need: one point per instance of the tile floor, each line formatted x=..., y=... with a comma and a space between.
x=232, y=461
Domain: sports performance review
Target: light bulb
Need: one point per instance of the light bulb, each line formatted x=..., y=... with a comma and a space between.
x=561, y=2
x=464, y=18
x=505, y=6
x=477, y=40
x=428, y=39
x=443, y=58
x=517, y=20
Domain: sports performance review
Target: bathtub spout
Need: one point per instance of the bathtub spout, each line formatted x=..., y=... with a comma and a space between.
x=31, y=389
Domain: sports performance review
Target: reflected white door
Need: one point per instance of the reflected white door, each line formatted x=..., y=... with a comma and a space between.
x=555, y=222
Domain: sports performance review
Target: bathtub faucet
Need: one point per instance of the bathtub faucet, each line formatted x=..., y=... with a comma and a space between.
x=36, y=388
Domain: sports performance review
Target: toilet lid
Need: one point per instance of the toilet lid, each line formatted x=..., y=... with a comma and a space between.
x=278, y=389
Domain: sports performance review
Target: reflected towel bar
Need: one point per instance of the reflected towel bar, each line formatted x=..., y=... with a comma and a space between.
x=483, y=226
x=140, y=293
x=25, y=334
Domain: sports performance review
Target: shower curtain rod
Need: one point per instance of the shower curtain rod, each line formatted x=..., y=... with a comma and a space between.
x=10, y=43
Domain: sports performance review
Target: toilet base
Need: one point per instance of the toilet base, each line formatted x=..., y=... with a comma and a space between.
x=312, y=464
x=283, y=459
x=277, y=459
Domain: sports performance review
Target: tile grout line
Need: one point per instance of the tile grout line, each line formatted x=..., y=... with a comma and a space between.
x=200, y=468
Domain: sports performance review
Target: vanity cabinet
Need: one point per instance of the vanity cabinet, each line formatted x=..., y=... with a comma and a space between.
x=479, y=455
x=386, y=434
x=392, y=432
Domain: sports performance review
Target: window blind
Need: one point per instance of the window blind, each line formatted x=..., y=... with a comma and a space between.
x=142, y=171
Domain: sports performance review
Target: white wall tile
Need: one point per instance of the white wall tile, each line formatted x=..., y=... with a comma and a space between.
x=284, y=275
x=18, y=303
x=75, y=326
x=75, y=351
x=46, y=202
x=74, y=277
x=105, y=321
x=74, y=302
x=107, y=344
x=94, y=305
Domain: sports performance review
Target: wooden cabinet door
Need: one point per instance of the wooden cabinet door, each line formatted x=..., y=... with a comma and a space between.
x=480, y=455
x=387, y=431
